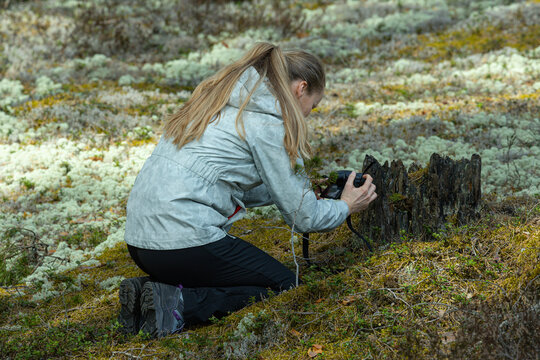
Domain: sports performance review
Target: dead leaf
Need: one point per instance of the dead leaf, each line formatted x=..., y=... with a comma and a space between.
x=295, y=333
x=315, y=350
x=348, y=300
x=318, y=301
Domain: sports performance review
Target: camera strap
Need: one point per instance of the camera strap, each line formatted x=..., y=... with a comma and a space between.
x=349, y=224
x=305, y=241
x=305, y=248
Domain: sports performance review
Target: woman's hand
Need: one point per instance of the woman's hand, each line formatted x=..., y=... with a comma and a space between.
x=359, y=198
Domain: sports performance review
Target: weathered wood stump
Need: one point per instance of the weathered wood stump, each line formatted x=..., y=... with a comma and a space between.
x=419, y=201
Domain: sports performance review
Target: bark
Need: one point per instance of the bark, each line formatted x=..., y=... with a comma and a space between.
x=419, y=202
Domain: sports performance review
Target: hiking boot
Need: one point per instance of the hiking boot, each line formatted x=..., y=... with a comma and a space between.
x=162, y=308
x=130, y=311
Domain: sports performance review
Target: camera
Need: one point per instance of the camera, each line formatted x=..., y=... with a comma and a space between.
x=337, y=183
x=334, y=190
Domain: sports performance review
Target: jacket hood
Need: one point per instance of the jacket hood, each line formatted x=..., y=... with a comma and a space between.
x=262, y=100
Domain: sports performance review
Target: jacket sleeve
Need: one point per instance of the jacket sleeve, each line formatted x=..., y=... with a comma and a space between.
x=258, y=196
x=290, y=190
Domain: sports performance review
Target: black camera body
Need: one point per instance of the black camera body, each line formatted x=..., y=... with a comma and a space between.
x=334, y=190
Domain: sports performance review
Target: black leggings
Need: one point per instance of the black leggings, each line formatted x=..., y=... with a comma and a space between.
x=218, y=278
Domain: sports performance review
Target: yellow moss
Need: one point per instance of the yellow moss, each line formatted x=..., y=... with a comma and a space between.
x=142, y=142
x=82, y=88
x=531, y=96
x=417, y=176
x=101, y=308
x=45, y=102
x=447, y=45
x=4, y=292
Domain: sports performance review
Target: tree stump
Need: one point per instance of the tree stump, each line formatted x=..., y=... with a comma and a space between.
x=419, y=202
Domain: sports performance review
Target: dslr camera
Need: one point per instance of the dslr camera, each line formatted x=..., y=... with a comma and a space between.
x=334, y=190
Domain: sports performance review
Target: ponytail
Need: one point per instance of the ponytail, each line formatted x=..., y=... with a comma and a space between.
x=281, y=68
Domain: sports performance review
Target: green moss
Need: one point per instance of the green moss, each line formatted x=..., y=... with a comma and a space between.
x=89, y=236
x=28, y=184
x=332, y=177
x=402, y=298
x=349, y=110
x=397, y=197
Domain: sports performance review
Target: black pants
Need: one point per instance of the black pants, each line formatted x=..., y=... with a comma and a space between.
x=218, y=278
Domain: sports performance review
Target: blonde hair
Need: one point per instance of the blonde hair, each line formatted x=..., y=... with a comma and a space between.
x=281, y=68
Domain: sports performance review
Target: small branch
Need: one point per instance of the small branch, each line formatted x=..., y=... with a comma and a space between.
x=319, y=317
x=130, y=355
x=80, y=308
x=489, y=282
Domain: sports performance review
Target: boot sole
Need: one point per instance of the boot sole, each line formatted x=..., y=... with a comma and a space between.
x=129, y=293
x=158, y=303
x=148, y=310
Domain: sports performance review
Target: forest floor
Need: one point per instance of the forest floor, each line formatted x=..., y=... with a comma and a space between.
x=84, y=90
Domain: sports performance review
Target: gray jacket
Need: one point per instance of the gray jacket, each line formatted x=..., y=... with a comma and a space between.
x=185, y=198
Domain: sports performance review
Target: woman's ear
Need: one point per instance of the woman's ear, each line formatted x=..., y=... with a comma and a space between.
x=299, y=88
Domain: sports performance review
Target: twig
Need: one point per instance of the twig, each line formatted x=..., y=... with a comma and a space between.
x=319, y=317
x=80, y=308
x=142, y=349
x=455, y=308
x=398, y=298
x=11, y=328
x=377, y=340
x=129, y=353
x=531, y=210
x=490, y=282
x=304, y=312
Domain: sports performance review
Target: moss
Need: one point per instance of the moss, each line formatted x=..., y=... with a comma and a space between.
x=398, y=92
x=418, y=176
x=445, y=46
x=402, y=294
x=85, y=237
x=332, y=177
x=167, y=89
x=397, y=197
x=141, y=142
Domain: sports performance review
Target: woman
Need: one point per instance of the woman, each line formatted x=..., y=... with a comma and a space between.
x=235, y=144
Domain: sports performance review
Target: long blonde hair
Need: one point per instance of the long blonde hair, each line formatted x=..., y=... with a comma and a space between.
x=281, y=68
